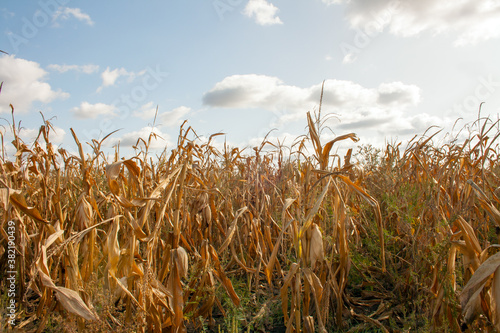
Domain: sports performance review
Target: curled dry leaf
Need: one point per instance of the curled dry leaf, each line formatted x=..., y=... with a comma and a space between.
x=69, y=299
x=17, y=199
x=495, y=299
x=477, y=282
x=72, y=302
x=232, y=230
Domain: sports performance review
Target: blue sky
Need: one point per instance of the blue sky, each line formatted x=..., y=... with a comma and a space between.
x=392, y=68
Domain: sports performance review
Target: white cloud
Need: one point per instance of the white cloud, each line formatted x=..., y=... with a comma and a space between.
x=131, y=139
x=87, y=69
x=146, y=111
x=174, y=117
x=349, y=58
x=255, y=91
x=331, y=2
x=92, y=111
x=170, y=118
x=65, y=13
x=261, y=91
x=109, y=77
x=398, y=93
x=23, y=84
x=472, y=21
x=358, y=107
x=263, y=12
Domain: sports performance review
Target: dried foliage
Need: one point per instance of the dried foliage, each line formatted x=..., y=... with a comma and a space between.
x=405, y=240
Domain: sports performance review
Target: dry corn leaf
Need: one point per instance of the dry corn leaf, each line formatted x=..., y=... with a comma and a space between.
x=478, y=279
x=127, y=292
x=5, y=193
x=314, y=136
x=470, y=257
x=317, y=291
x=139, y=233
x=17, y=199
x=473, y=307
x=269, y=267
x=370, y=321
x=162, y=299
x=232, y=230
x=154, y=195
x=310, y=215
x=69, y=299
x=158, y=285
x=53, y=237
x=113, y=172
x=485, y=202
x=137, y=270
x=495, y=299
x=132, y=167
x=219, y=273
x=284, y=289
x=72, y=302
x=328, y=146
x=154, y=315
x=469, y=235
x=376, y=207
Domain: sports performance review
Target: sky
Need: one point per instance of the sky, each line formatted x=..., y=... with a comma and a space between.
x=391, y=68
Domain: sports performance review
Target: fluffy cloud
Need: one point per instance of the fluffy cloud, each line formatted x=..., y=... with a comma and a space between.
x=263, y=12
x=267, y=92
x=255, y=91
x=87, y=69
x=174, y=117
x=109, y=77
x=472, y=21
x=331, y=2
x=146, y=111
x=358, y=107
x=65, y=13
x=158, y=142
x=170, y=118
x=23, y=84
x=92, y=111
x=398, y=93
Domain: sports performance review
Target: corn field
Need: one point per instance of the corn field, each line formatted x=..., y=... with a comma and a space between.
x=269, y=239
